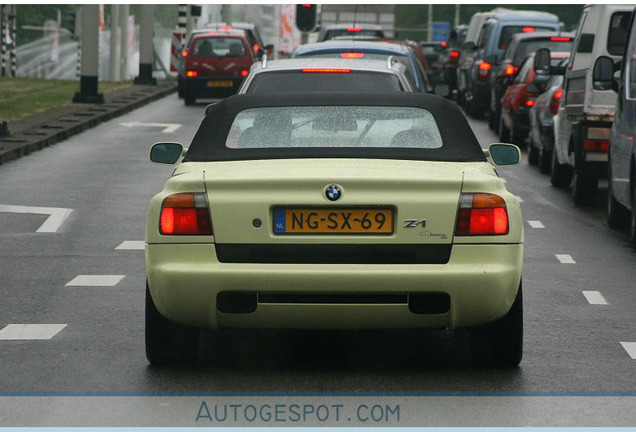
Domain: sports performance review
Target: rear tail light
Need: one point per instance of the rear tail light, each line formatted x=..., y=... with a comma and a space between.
x=511, y=70
x=482, y=214
x=530, y=102
x=444, y=44
x=256, y=47
x=596, y=145
x=454, y=57
x=528, y=29
x=325, y=70
x=184, y=53
x=554, y=101
x=244, y=72
x=484, y=71
x=185, y=214
x=192, y=74
x=352, y=55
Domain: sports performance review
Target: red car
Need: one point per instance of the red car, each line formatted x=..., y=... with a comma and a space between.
x=519, y=97
x=216, y=64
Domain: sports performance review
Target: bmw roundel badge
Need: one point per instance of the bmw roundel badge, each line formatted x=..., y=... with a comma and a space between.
x=333, y=192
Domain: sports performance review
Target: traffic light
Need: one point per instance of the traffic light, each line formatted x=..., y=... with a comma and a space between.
x=306, y=17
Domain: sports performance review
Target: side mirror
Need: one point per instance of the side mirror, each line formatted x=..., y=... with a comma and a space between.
x=166, y=152
x=603, y=74
x=504, y=154
x=442, y=90
x=542, y=61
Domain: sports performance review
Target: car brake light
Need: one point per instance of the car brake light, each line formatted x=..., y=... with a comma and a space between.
x=184, y=53
x=244, y=72
x=256, y=47
x=554, y=102
x=352, y=55
x=596, y=145
x=192, y=73
x=325, y=70
x=528, y=29
x=185, y=214
x=511, y=70
x=530, y=102
x=560, y=38
x=226, y=28
x=482, y=214
x=354, y=29
x=454, y=54
x=484, y=71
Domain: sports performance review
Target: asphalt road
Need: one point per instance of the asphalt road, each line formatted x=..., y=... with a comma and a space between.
x=72, y=223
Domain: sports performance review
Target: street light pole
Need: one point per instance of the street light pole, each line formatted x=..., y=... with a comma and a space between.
x=90, y=57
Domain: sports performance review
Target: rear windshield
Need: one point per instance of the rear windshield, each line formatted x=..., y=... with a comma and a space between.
x=526, y=47
x=619, y=24
x=334, y=126
x=508, y=31
x=330, y=34
x=218, y=47
x=295, y=81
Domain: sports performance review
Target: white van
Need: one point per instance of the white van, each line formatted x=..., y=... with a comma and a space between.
x=585, y=116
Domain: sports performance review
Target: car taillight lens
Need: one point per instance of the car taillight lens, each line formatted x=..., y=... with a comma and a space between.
x=244, y=72
x=511, y=70
x=256, y=47
x=482, y=214
x=185, y=214
x=354, y=29
x=561, y=38
x=528, y=29
x=325, y=70
x=454, y=57
x=484, y=71
x=554, y=101
x=184, y=53
x=530, y=102
x=192, y=74
x=596, y=145
x=352, y=55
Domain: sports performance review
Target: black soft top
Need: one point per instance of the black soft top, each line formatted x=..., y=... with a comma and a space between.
x=459, y=141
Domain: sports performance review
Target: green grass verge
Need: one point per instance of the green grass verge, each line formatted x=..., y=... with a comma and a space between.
x=22, y=97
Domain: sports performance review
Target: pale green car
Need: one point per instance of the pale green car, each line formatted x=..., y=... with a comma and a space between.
x=334, y=211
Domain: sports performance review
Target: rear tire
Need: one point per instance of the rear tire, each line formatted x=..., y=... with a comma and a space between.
x=501, y=343
x=584, y=189
x=561, y=174
x=188, y=99
x=168, y=343
x=545, y=161
x=533, y=155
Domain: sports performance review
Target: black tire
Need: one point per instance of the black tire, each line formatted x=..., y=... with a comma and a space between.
x=561, y=176
x=188, y=99
x=584, y=189
x=500, y=343
x=504, y=132
x=545, y=161
x=533, y=155
x=618, y=216
x=168, y=343
x=491, y=120
x=516, y=138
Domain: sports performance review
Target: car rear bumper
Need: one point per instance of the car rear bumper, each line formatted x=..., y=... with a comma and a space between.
x=202, y=87
x=479, y=284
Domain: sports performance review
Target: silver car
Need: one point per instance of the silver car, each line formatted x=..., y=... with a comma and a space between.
x=332, y=74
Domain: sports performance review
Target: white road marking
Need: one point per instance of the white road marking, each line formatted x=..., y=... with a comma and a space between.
x=595, y=297
x=565, y=259
x=96, y=280
x=536, y=224
x=132, y=245
x=57, y=216
x=30, y=331
x=630, y=347
x=167, y=127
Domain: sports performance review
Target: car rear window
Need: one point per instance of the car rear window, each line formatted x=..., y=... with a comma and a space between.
x=218, y=47
x=526, y=47
x=334, y=126
x=295, y=81
x=617, y=35
x=508, y=31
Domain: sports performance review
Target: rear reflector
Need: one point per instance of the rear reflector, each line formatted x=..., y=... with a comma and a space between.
x=482, y=214
x=185, y=214
x=596, y=145
x=352, y=55
x=325, y=70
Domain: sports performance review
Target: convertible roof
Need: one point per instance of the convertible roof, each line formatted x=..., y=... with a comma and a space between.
x=459, y=141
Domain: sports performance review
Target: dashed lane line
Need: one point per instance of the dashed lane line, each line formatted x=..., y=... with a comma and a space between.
x=536, y=224
x=57, y=216
x=630, y=347
x=30, y=331
x=96, y=280
x=565, y=259
x=132, y=245
x=595, y=298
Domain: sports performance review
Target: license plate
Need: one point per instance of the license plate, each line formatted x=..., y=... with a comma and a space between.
x=333, y=221
x=227, y=83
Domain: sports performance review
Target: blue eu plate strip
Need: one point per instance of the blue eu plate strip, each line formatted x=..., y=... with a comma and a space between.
x=279, y=221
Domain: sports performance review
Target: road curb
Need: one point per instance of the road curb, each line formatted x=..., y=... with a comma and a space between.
x=40, y=133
